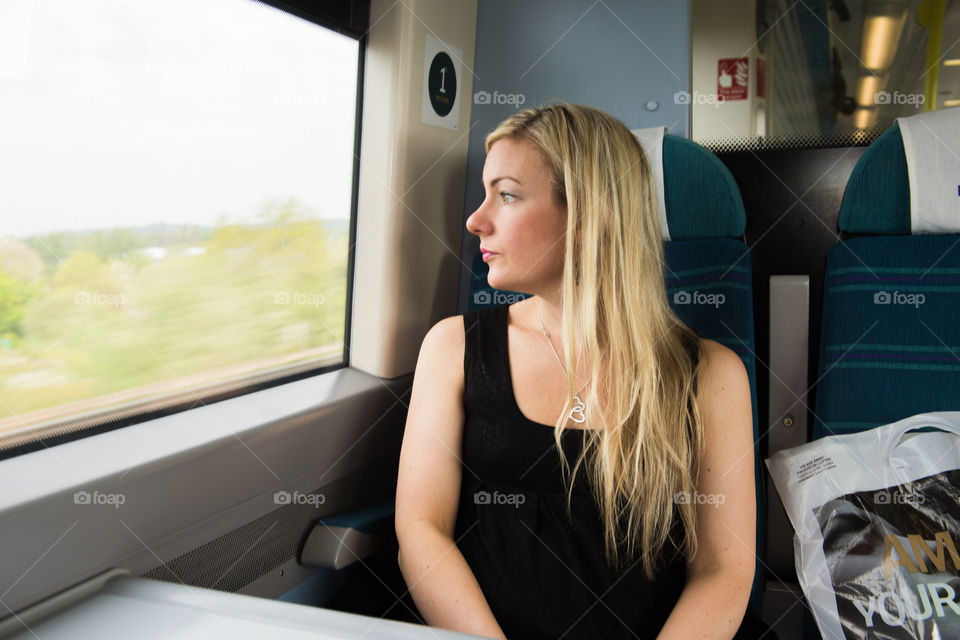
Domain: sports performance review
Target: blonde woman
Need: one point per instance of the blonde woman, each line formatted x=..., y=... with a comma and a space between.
x=549, y=442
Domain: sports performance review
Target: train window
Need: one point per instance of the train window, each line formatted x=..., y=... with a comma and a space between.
x=177, y=189
x=773, y=73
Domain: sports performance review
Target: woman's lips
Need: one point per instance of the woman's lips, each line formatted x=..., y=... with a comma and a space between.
x=487, y=255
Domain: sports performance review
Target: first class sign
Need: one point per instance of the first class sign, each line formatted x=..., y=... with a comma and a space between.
x=441, y=84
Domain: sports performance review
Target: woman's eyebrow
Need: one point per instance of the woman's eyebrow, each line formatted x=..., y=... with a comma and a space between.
x=494, y=182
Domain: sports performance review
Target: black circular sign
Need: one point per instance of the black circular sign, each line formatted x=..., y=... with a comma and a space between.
x=442, y=84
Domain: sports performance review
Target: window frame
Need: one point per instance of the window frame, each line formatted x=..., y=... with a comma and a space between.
x=348, y=17
x=12, y=444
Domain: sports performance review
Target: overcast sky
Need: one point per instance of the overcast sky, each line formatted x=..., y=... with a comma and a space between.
x=145, y=111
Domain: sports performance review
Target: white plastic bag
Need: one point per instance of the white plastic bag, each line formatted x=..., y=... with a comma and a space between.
x=877, y=522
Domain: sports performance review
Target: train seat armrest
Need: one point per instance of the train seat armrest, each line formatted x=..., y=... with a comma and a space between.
x=340, y=540
x=789, y=343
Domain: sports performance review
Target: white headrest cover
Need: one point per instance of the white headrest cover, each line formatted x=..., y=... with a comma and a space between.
x=652, y=142
x=931, y=142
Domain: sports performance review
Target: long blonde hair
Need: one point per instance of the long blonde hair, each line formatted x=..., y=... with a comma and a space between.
x=649, y=448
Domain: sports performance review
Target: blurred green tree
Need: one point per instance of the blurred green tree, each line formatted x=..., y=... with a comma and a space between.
x=14, y=296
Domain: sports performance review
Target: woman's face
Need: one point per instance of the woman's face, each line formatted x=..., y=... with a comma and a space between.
x=520, y=225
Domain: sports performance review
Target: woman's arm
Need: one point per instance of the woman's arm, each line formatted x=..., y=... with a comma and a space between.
x=428, y=488
x=719, y=577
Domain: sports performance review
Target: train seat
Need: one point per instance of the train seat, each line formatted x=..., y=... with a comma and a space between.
x=890, y=340
x=707, y=266
x=890, y=345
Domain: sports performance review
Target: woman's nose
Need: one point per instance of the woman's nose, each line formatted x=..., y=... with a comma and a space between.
x=477, y=222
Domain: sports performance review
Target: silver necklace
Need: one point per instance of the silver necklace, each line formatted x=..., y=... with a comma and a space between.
x=578, y=412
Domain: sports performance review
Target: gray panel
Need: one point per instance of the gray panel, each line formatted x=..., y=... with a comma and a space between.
x=789, y=340
x=191, y=478
x=789, y=343
x=237, y=558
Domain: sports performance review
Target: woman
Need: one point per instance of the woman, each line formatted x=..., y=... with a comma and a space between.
x=509, y=528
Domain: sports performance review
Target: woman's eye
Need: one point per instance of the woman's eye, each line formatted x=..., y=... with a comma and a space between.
x=507, y=197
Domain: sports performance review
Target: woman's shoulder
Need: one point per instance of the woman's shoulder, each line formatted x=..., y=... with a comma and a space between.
x=441, y=354
x=718, y=358
x=445, y=335
x=721, y=373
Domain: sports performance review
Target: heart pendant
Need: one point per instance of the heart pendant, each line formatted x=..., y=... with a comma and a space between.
x=577, y=412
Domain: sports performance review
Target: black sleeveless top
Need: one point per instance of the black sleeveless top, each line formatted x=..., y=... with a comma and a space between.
x=542, y=572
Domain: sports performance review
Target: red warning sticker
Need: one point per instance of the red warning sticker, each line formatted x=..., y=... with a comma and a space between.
x=733, y=78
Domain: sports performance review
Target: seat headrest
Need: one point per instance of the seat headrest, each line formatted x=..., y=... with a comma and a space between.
x=652, y=142
x=696, y=194
x=906, y=181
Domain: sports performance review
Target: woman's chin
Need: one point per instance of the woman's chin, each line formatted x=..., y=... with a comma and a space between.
x=497, y=283
x=497, y=280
